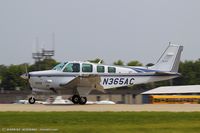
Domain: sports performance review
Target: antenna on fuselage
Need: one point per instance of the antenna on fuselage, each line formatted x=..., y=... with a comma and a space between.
x=99, y=62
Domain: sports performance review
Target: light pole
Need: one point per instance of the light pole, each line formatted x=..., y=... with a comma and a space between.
x=0, y=86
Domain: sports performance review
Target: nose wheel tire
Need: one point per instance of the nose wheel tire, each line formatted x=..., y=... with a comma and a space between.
x=31, y=100
x=76, y=99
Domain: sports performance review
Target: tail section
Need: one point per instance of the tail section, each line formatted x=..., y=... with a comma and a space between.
x=170, y=59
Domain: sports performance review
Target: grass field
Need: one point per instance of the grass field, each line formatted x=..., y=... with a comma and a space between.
x=100, y=122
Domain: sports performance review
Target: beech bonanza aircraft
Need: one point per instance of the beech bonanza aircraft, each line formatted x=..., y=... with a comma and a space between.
x=80, y=78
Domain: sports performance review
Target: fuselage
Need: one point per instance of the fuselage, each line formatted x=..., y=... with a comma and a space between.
x=110, y=76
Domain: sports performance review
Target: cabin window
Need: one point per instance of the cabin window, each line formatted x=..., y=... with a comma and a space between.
x=72, y=67
x=100, y=69
x=86, y=67
x=111, y=70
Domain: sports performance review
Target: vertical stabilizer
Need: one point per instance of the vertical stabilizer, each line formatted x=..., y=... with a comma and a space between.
x=170, y=59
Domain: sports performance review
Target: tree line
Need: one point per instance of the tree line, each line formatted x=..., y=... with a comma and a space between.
x=10, y=75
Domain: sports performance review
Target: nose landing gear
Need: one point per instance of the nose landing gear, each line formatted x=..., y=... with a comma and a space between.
x=76, y=99
x=31, y=100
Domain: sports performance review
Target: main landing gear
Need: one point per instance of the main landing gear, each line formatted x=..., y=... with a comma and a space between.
x=76, y=99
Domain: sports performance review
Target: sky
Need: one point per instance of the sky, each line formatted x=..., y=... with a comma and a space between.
x=107, y=29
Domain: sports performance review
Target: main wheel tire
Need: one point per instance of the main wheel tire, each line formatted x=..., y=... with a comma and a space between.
x=31, y=100
x=83, y=100
x=76, y=99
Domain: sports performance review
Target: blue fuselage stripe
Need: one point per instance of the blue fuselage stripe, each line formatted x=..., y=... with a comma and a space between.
x=108, y=75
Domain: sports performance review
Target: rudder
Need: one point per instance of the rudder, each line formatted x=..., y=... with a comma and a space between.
x=170, y=59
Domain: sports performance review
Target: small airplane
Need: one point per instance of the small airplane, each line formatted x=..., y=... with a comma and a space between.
x=80, y=78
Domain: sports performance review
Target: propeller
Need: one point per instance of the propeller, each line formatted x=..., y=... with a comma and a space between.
x=25, y=75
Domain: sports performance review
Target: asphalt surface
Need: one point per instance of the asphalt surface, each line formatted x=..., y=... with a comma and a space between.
x=101, y=108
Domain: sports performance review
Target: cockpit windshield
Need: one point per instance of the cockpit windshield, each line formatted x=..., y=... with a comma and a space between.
x=59, y=67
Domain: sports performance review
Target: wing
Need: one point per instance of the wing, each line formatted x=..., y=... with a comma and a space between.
x=84, y=84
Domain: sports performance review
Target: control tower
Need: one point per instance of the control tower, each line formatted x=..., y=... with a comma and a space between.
x=45, y=53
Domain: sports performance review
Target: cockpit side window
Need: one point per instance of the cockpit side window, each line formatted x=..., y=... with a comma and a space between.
x=87, y=67
x=59, y=67
x=72, y=67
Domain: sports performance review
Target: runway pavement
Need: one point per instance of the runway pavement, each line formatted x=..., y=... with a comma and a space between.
x=101, y=108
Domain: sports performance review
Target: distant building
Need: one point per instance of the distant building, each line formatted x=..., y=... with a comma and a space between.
x=173, y=94
x=124, y=95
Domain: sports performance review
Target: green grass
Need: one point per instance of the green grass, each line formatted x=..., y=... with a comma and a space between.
x=102, y=122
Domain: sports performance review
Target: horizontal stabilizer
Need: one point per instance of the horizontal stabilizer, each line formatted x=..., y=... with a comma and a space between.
x=167, y=73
